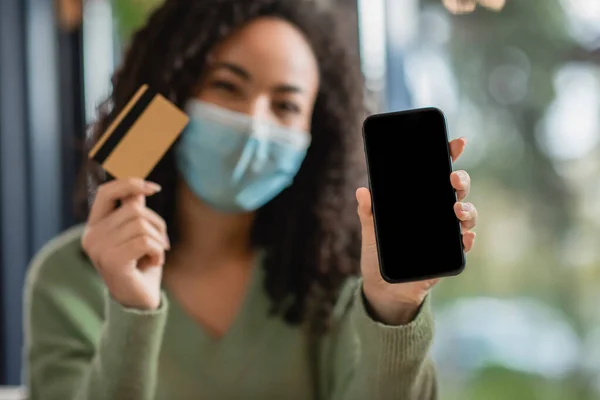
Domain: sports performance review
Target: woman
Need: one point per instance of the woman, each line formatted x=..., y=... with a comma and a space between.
x=240, y=268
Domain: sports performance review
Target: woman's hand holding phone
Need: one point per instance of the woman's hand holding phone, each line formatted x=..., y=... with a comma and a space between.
x=127, y=244
x=397, y=304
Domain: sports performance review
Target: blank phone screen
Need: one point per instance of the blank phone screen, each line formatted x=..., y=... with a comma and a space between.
x=418, y=234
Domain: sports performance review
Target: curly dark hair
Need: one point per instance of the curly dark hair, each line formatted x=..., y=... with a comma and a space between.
x=311, y=232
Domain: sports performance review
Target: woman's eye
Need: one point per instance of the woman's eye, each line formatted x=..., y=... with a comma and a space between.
x=288, y=107
x=227, y=86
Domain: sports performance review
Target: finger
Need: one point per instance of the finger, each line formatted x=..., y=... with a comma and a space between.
x=137, y=227
x=468, y=240
x=132, y=207
x=110, y=192
x=363, y=196
x=144, y=248
x=467, y=214
x=365, y=214
x=461, y=6
x=461, y=182
x=133, y=210
x=138, y=200
x=457, y=146
x=148, y=262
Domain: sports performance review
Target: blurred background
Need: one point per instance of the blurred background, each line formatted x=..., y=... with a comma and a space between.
x=520, y=79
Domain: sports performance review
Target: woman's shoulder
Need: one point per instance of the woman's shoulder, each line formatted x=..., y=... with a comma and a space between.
x=61, y=269
x=62, y=256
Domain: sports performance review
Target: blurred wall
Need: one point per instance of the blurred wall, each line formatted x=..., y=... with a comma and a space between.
x=14, y=233
x=40, y=123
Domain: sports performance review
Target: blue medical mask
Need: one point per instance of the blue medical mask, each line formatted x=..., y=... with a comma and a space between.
x=234, y=162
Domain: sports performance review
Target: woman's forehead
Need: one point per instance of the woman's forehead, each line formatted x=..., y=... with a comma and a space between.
x=269, y=46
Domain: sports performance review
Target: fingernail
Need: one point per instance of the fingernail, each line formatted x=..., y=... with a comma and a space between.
x=466, y=207
x=462, y=175
x=155, y=187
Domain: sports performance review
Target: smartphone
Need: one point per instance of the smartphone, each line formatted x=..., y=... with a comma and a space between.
x=408, y=161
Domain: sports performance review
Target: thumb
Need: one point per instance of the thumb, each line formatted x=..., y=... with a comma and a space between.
x=365, y=213
x=138, y=199
x=368, y=242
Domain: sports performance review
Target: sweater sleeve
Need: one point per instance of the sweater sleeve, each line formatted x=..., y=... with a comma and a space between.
x=75, y=351
x=366, y=359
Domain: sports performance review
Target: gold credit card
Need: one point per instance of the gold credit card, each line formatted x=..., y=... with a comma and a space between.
x=139, y=136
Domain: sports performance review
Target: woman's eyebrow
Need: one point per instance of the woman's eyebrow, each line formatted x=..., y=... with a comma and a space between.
x=234, y=68
x=245, y=75
x=287, y=88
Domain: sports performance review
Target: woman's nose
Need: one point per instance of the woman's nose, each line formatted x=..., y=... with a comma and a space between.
x=259, y=108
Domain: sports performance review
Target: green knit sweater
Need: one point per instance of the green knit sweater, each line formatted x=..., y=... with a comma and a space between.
x=80, y=344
